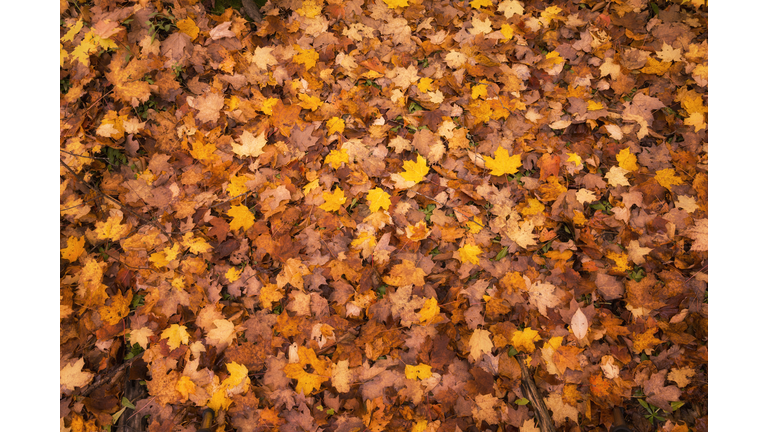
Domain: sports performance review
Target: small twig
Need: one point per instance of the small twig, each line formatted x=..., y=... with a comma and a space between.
x=532, y=393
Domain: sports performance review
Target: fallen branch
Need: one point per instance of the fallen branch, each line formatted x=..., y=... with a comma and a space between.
x=531, y=392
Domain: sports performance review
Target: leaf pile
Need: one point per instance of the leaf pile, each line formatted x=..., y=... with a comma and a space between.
x=354, y=214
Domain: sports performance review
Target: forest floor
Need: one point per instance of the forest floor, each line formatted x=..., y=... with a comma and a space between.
x=384, y=215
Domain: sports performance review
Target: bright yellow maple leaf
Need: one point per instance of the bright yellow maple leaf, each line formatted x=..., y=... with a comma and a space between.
x=627, y=160
x=311, y=103
x=475, y=225
x=306, y=382
x=594, y=106
x=310, y=9
x=91, y=44
x=480, y=91
x=394, y=4
x=309, y=187
x=112, y=229
x=469, y=253
x=185, y=386
x=550, y=14
x=696, y=120
x=420, y=371
x=424, y=85
x=165, y=256
x=268, y=104
x=502, y=163
x=415, y=171
x=523, y=341
x=378, y=199
x=533, y=207
x=75, y=248
x=269, y=294
x=241, y=218
x=575, y=158
x=333, y=201
x=429, y=311
x=176, y=335
x=237, y=186
x=196, y=245
x=73, y=31
x=337, y=157
x=233, y=274
x=188, y=27
x=335, y=124
x=117, y=310
x=667, y=178
x=306, y=57
x=238, y=378
x=203, y=152
x=219, y=400
x=621, y=260
x=478, y=4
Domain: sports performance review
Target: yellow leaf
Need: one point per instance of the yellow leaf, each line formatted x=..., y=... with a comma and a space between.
x=534, y=207
x=422, y=371
x=502, y=163
x=141, y=336
x=415, y=171
x=575, y=158
x=475, y=225
x=309, y=187
x=696, y=120
x=219, y=400
x=117, y=310
x=378, y=199
x=549, y=14
x=75, y=248
x=306, y=57
x=333, y=201
x=621, y=260
x=667, y=178
x=112, y=229
x=627, y=160
x=233, y=274
x=523, y=340
x=393, y=4
x=164, y=257
x=237, y=185
x=268, y=104
x=250, y=146
x=196, y=245
x=337, y=157
x=185, y=386
x=480, y=91
x=238, y=376
x=425, y=85
x=507, y=31
x=616, y=176
x=306, y=382
x=176, y=335
x=469, y=254
x=73, y=31
x=310, y=9
x=188, y=27
x=477, y=4
x=335, y=124
x=241, y=218
x=429, y=311
x=269, y=294
x=310, y=102
x=420, y=426
x=594, y=106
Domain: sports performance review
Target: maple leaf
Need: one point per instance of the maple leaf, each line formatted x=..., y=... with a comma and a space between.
x=223, y=335
x=429, y=311
x=75, y=248
x=112, y=228
x=627, y=160
x=337, y=157
x=250, y=146
x=140, y=336
x=469, y=253
x=241, y=218
x=341, y=376
x=333, y=201
x=378, y=199
x=502, y=163
x=335, y=125
x=415, y=171
x=176, y=335
x=616, y=176
x=523, y=340
x=405, y=273
x=543, y=295
x=188, y=27
x=306, y=57
x=72, y=375
x=420, y=371
x=394, y=4
x=185, y=386
x=667, y=178
x=699, y=234
x=560, y=409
